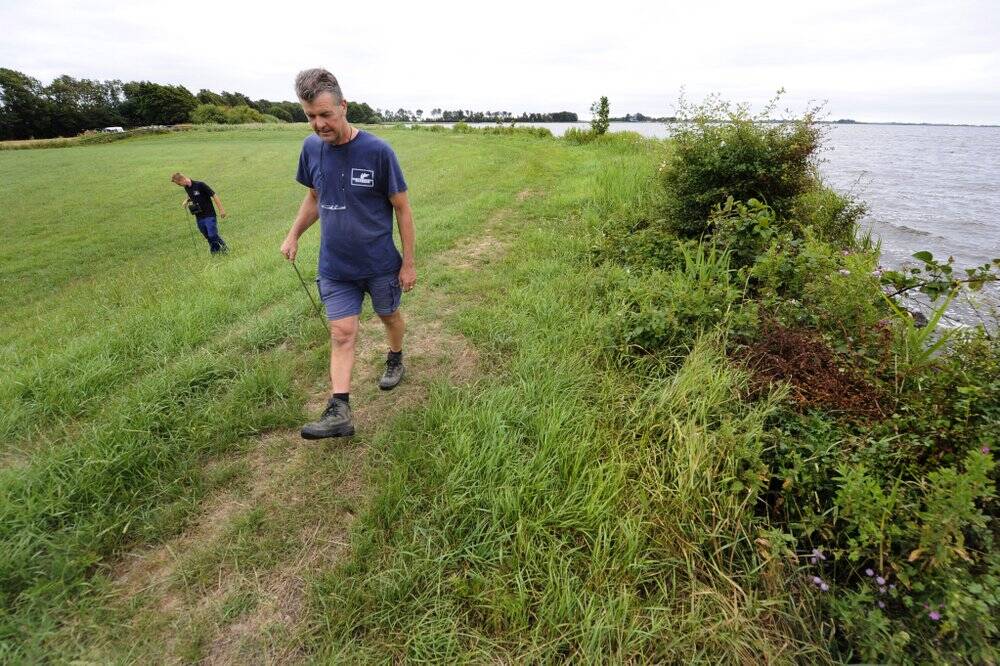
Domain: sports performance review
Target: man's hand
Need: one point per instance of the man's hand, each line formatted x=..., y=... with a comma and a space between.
x=290, y=248
x=222, y=213
x=407, y=277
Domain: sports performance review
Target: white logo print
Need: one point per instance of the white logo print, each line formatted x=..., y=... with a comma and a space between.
x=363, y=177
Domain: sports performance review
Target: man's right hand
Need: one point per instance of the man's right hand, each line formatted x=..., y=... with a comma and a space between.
x=290, y=248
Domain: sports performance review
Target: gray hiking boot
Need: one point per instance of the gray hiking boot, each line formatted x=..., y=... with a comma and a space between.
x=394, y=371
x=336, y=421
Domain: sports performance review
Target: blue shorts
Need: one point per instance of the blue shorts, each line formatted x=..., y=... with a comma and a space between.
x=343, y=298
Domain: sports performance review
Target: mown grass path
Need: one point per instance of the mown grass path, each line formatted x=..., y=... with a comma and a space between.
x=193, y=537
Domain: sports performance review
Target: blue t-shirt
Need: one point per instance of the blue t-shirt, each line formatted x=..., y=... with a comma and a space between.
x=353, y=182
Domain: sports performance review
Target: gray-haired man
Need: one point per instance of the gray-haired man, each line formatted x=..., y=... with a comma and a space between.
x=355, y=185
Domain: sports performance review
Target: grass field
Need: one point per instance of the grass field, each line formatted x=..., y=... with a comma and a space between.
x=147, y=472
x=531, y=493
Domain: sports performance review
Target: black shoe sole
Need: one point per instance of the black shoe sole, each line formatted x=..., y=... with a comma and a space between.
x=310, y=435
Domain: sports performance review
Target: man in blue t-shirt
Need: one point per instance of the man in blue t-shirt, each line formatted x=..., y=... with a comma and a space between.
x=355, y=185
x=199, y=203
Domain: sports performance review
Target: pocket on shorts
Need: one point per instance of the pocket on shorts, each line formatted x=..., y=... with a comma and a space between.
x=386, y=295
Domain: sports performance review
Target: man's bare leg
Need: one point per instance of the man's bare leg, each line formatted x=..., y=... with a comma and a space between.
x=343, y=335
x=336, y=420
x=395, y=327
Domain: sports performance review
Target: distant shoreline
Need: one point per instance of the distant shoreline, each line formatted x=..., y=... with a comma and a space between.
x=670, y=121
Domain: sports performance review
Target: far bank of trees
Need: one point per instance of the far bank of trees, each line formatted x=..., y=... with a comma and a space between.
x=69, y=106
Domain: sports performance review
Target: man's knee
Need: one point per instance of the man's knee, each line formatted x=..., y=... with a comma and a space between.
x=343, y=332
x=394, y=318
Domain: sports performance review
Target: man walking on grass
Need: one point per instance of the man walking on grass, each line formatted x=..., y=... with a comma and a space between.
x=199, y=203
x=355, y=185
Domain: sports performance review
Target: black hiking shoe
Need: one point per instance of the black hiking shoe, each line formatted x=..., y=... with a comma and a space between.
x=336, y=421
x=394, y=371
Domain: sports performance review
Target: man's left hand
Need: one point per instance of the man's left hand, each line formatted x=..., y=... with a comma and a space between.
x=223, y=213
x=407, y=277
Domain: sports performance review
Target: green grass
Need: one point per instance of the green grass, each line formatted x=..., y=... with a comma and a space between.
x=557, y=508
x=558, y=511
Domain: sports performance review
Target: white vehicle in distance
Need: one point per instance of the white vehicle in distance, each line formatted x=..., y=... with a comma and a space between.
x=112, y=129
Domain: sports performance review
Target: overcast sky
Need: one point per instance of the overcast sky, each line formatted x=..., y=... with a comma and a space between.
x=871, y=60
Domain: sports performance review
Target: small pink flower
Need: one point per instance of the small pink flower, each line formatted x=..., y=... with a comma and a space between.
x=934, y=615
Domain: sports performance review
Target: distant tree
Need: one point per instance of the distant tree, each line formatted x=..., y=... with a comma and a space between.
x=24, y=110
x=148, y=103
x=209, y=97
x=279, y=112
x=235, y=99
x=599, y=122
x=420, y=114
x=360, y=112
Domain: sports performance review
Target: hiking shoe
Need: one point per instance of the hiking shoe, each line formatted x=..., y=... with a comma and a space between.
x=394, y=371
x=336, y=421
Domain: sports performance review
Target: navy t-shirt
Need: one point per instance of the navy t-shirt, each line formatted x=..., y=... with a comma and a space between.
x=201, y=194
x=353, y=183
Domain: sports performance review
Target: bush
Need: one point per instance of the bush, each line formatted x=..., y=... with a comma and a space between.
x=720, y=152
x=208, y=113
x=906, y=522
x=241, y=114
x=833, y=217
x=664, y=311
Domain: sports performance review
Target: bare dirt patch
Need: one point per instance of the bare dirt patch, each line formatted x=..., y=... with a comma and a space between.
x=310, y=494
x=483, y=250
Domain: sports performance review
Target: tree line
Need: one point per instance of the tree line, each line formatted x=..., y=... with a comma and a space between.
x=69, y=106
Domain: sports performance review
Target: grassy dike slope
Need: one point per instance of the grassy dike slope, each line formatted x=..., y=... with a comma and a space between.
x=143, y=514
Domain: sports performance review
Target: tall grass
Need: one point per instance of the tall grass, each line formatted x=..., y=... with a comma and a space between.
x=558, y=510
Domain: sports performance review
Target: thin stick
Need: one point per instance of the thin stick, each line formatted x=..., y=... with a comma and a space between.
x=309, y=294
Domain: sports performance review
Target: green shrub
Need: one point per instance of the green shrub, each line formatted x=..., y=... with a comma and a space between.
x=241, y=114
x=913, y=502
x=208, y=113
x=723, y=152
x=833, y=217
x=663, y=312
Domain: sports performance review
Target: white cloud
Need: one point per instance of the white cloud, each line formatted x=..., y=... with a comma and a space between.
x=874, y=60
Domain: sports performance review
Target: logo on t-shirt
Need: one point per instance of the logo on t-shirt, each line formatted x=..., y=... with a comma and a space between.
x=363, y=177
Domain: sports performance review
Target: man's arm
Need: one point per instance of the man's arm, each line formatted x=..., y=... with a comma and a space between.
x=404, y=220
x=307, y=215
x=218, y=202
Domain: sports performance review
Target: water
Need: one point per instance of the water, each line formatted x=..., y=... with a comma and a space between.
x=927, y=187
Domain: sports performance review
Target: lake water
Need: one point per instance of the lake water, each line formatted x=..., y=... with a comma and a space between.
x=927, y=187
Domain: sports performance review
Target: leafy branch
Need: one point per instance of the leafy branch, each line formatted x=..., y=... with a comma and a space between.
x=936, y=278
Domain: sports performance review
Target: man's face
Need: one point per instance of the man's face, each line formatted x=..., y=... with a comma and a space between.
x=327, y=118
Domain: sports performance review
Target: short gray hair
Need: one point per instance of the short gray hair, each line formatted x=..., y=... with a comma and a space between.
x=311, y=83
